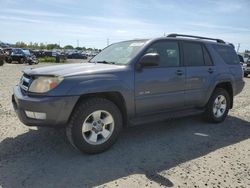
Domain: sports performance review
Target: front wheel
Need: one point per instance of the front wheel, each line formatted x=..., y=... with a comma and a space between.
x=245, y=75
x=21, y=61
x=94, y=125
x=218, y=106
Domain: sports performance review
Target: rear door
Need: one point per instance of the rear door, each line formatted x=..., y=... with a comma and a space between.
x=161, y=88
x=199, y=72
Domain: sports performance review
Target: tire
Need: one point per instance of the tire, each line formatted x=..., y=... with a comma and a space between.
x=9, y=60
x=213, y=116
x=245, y=75
x=84, y=114
x=21, y=61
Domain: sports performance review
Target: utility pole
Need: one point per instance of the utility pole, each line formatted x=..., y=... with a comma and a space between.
x=107, y=41
x=238, y=48
x=77, y=42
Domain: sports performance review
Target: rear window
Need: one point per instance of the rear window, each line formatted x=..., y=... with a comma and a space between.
x=241, y=58
x=227, y=53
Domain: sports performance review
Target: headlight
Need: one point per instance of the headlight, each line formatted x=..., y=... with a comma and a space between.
x=43, y=84
x=244, y=65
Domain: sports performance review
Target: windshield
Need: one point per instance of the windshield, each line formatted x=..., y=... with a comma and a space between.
x=119, y=53
x=26, y=52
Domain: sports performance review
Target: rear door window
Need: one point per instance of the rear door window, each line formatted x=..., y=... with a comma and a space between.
x=193, y=54
x=207, y=57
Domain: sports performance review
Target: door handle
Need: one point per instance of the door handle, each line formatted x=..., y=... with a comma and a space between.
x=179, y=72
x=210, y=70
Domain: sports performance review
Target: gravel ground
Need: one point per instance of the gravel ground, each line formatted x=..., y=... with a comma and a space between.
x=181, y=153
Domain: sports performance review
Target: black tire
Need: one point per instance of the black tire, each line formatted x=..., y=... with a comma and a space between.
x=9, y=60
x=245, y=75
x=21, y=61
x=209, y=114
x=80, y=113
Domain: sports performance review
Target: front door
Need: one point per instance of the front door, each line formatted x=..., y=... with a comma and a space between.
x=163, y=87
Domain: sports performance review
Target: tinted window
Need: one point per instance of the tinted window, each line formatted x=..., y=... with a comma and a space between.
x=193, y=55
x=227, y=53
x=168, y=51
x=241, y=58
x=17, y=51
x=207, y=57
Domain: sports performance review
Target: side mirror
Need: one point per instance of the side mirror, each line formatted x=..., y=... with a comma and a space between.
x=150, y=60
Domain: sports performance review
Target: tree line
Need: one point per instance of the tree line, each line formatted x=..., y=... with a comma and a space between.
x=42, y=46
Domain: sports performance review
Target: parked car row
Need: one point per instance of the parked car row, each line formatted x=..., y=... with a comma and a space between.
x=245, y=65
x=70, y=54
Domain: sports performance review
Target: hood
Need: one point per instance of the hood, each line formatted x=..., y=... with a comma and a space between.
x=73, y=69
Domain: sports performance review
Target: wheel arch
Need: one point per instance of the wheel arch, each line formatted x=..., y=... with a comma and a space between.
x=229, y=88
x=113, y=96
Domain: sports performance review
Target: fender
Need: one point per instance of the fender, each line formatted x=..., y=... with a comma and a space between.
x=218, y=79
x=106, y=83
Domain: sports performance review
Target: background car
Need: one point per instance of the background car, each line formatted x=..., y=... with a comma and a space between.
x=246, y=67
x=2, y=57
x=241, y=59
x=76, y=55
x=22, y=56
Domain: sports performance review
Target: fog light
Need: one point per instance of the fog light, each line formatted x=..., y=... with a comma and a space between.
x=35, y=115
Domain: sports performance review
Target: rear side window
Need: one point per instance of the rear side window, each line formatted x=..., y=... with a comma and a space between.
x=227, y=53
x=207, y=57
x=193, y=55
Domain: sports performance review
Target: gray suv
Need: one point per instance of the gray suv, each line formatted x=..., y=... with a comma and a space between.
x=129, y=83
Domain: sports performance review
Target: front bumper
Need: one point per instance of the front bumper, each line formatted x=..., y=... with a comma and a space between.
x=57, y=109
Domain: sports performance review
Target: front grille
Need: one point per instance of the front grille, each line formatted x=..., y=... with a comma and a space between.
x=248, y=65
x=25, y=82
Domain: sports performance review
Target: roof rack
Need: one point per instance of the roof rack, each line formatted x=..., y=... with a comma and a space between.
x=198, y=37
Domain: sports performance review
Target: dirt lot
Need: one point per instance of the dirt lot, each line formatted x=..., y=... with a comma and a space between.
x=181, y=153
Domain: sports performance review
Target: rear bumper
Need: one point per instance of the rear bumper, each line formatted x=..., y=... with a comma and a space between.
x=57, y=109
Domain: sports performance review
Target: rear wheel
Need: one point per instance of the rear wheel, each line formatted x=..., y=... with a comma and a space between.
x=218, y=106
x=94, y=125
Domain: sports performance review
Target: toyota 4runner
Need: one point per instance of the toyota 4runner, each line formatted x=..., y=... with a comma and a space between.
x=129, y=83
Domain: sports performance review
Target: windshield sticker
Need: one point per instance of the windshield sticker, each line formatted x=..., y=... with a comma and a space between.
x=137, y=44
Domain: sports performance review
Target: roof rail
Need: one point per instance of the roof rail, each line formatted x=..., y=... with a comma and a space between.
x=192, y=36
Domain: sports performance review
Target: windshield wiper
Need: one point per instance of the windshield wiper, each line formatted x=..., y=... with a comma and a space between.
x=105, y=62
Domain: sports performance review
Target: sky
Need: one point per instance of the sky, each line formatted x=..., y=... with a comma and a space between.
x=94, y=23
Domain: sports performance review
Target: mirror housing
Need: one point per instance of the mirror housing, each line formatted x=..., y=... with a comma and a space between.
x=150, y=60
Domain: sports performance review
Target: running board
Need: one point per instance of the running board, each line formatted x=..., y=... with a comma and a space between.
x=164, y=116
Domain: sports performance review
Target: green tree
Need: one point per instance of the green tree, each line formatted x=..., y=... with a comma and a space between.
x=78, y=48
x=68, y=47
x=42, y=46
x=53, y=46
x=20, y=45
